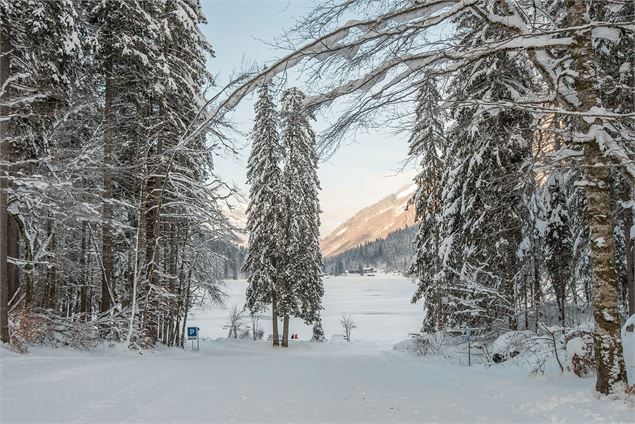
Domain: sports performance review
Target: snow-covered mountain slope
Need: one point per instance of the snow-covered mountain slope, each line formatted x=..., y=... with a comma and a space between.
x=371, y=223
x=235, y=210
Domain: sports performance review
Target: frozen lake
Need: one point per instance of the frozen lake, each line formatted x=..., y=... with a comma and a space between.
x=379, y=305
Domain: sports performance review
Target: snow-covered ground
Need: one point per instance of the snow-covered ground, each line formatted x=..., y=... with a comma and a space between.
x=245, y=381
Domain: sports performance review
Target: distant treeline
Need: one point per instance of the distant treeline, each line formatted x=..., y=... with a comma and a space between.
x=393, y=254
x=233, y=259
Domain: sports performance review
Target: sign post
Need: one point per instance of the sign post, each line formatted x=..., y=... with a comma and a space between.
x=192, y=334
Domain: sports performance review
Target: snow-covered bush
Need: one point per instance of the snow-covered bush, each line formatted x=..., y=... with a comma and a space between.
x=29, y=328
x=256, y=332
x=32, y=327
x=347, y=324
x=580, y=355
x=525, y=348
x=259, y=334
x=236, y=324
x=628, y=345
x=509, y=345
x=429, y=343
x=535, y=352
x=408, y=345
x=423, y=344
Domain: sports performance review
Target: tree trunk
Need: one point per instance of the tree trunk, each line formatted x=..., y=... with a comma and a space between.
x=440, y=313
x=13, y=252
x=611, y=374
x=179, y=297
x=509, y=292
x=537, y=293
x=525, y=302
x=50, y=296
x=173, y=273
x=28, y=274
x=285, y=331
x=83, y=290
x=106, y=250
x=5, y=48
x=153, y=226
x=186, y=305
x=274, y=320
x=630, y=251
x=560, y=300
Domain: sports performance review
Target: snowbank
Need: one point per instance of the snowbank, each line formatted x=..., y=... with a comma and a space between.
x=628, y=343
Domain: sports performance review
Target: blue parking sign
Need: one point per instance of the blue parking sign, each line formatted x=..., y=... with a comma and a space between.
x=192, y=332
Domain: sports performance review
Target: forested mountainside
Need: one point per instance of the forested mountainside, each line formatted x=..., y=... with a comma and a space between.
x=393, y=254
x=371, y=223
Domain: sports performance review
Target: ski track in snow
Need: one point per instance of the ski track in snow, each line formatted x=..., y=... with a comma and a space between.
x=239, y=381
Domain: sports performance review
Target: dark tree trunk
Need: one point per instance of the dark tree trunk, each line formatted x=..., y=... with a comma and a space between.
x=560, y=287
x=274, y=320
x=28, y=274
x=180, y=299
x=526, y=303
x=107, y=250
x=83, y=290
x=50, y=296
x=5, y=48
x=509, y=293
x=186, y=306
x=172, y=272
x=153, y=229
x=537, y=293
x=285, y=331
x=440, y=313
x=13, y=252
x=630, y=251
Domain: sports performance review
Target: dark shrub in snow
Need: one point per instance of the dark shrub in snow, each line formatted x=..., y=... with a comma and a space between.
x=318, y=331
x=39, y=326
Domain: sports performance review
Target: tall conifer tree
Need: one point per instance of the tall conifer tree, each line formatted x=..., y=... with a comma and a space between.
x=301, y=289
x=426, y=146
x=264, y=212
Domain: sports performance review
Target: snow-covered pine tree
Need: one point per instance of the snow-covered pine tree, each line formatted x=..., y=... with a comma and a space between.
x=558, y=243
x=39, y=55
x=178, y=170
x=125, y=39
x=531, y=256
x=318, y=331
x=483, y=187
x=426, y=147
x=264, y=213
x=86, y=114
x=301, y=289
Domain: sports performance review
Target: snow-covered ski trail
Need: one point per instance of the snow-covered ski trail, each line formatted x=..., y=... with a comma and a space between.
x=247, y=382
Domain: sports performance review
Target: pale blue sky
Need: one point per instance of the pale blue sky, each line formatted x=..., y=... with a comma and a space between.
x=361, y=172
